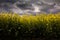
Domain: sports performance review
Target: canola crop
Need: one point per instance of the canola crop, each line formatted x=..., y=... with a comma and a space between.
x=41, y=25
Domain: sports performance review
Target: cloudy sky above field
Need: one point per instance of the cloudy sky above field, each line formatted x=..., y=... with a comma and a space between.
x=30, y=6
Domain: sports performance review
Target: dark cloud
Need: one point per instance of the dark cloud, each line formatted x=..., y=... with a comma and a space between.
x=23, y=6
x=9, y=1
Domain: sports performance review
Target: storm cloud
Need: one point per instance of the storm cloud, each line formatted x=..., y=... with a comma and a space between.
x=30, y=6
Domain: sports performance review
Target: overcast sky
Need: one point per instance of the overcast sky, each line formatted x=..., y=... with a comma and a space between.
x=14, y=5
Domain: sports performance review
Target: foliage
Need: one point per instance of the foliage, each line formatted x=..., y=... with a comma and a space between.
x=14, y=26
